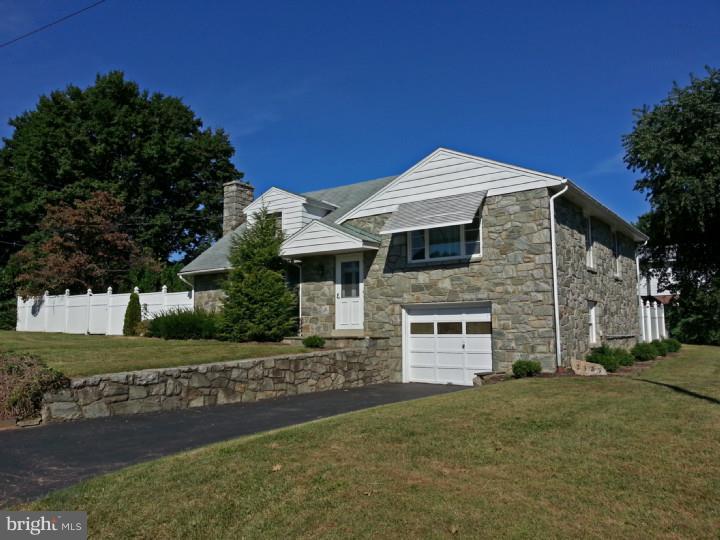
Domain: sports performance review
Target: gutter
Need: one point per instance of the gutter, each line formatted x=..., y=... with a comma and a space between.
x=556, y=301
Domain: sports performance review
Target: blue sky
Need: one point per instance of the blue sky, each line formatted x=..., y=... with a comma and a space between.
x=315, y=94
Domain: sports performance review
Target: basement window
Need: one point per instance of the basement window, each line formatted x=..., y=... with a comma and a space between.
x=616, y=255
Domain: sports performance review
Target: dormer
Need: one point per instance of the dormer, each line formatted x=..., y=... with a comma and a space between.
x=293, y=211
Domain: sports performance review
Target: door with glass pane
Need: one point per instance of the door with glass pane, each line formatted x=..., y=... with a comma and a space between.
x=349, y=292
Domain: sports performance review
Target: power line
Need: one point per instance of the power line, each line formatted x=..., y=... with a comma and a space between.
x=45, y=27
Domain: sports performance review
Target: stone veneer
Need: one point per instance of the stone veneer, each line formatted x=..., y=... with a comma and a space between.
x=514, y=274
x=616, y=296
x=215, y=384
x=208, y=292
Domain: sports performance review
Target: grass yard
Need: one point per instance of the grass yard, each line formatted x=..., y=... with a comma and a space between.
x=78, y=355
x=610, y=457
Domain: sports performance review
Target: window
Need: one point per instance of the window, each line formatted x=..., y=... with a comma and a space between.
x=452, y=242
x=592, y=322
x=616, y=254
x=589, y=261
x=417, y=328
x=278, y=219
x=449, y=328
x=478, y=328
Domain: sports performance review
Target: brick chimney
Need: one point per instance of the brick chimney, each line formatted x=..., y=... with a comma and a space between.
x=237, y=196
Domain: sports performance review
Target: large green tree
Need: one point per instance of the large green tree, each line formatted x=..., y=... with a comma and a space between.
x=259, y=305
x=675, y=145
x=149, y=150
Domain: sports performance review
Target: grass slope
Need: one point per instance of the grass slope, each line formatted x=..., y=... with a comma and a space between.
x=568, y=457
x=78, y=355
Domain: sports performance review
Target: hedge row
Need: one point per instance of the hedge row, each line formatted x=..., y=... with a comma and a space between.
x=612, y=358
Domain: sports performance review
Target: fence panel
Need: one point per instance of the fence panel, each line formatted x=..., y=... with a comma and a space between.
x=90, y=313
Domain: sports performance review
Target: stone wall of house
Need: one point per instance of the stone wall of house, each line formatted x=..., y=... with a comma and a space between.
x=208, y=292
x=216, y=384
x=617, y=309
x=514, y=274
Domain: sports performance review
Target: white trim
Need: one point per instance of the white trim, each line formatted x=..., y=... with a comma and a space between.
x=199, y=272
x=556, y=301
x=347, y=243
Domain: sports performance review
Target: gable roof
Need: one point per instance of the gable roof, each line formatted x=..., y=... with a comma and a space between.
x=343, y=198
x=448, y=172
x=324, y=236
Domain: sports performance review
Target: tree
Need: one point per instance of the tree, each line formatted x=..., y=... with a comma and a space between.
x=133, y=316
x=259, y=305
x=78, y=247
x=148, y=150
x=676, y=147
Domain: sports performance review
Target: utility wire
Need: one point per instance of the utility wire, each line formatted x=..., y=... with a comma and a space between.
x=45, y=27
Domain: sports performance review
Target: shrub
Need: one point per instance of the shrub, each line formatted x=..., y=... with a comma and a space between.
x=8, y=314
x=259, y=305
x=625, y=358
x=673, y=345
x=133, y=316
x=23, y=381
x=184, y=324
x=526, y=368
x=660, y=347
x=604, y=356
x=644, y=352
x=314, y=342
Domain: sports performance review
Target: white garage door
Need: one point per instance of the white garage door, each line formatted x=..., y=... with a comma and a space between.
x=447, y=344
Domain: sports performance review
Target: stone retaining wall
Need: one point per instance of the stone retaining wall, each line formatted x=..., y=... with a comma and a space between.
x=215, y=384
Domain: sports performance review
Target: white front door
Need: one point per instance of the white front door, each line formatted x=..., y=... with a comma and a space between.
x=349, y=292
x=446, y=343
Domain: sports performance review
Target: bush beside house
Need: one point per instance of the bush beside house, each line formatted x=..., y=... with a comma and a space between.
x=259, y=305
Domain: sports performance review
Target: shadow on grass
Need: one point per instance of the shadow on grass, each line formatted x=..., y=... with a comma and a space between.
x=682, y=390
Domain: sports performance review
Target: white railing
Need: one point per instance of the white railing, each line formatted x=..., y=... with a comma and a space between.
x=92, y=313
x=652, y=321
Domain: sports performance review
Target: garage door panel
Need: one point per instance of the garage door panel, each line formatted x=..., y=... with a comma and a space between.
x=423, y=358
x=425, y=343
x=422, y=374
x=451, y=375
x=450, y=359
x=479, y=361
x=448, y=345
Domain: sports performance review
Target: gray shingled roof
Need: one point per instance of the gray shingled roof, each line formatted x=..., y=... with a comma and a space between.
x=345, y=198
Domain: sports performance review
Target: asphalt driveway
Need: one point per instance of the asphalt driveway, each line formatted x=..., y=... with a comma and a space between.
x=35, y=461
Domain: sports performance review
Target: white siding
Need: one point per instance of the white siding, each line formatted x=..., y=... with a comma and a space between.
x=444, y=173
x=295, y=213
x=319, y=238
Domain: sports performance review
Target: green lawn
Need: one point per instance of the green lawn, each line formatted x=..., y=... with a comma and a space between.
x=606, y=457
x=77, y=355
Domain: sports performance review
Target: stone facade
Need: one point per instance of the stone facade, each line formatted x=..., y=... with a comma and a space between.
x=208, y=292
x=617, y=316
x=514, y=274
x=219, y=383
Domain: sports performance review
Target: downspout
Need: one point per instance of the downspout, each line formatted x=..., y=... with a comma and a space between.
x=643, y=333
x=556, y=301
x=192, y=287
x=298, y=264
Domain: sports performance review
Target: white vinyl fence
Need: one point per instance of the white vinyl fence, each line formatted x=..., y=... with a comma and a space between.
x=92, y=313
x=652, y=321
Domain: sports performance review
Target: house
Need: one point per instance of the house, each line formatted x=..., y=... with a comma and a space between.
x=460, y=265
